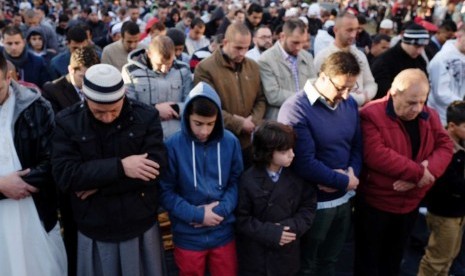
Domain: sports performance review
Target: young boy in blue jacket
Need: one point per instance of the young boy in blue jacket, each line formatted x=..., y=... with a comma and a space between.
x=199, y=191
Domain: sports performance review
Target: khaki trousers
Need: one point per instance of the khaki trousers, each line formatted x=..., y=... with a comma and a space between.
x=443, y=244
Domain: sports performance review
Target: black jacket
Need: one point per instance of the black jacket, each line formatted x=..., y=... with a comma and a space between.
x=61, y=93
x=390, y=63
x=447, y=197
x=87, y=155
x=33, y=127
x=262, y=206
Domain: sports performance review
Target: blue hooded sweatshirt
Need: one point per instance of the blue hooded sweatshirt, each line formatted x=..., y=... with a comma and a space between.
x=200, y=173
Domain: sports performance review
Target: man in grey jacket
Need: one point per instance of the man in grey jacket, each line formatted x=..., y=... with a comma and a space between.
x=155, y=77
x=285, y=67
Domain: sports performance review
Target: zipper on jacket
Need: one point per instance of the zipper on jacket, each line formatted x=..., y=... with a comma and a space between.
x=240, y=87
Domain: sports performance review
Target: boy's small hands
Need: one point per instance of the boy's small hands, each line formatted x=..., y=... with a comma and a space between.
x=211, y=218
x=287, y=236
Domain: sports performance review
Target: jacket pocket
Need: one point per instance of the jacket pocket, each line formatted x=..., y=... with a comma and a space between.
x=143, y=94
x=176, y=93
x=87, y=146
x=132, y=141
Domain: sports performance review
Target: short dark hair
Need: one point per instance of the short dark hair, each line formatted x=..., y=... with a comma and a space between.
x=238, y=11
x=76, y=33
x=130, y=27
x=340, y=63
x=190, y=15
x=259, y=28
x=362, y=20
x=3, y=65
x=63, y=18
x=178, y=36
x=197, y=22
x=380, y=37
x=448, y=26
x=271, y=136
x=86, y=56
x=294, y=24
x=202, y=106
x=456, y=112
x=254, y=7
x=12, y=30
x=87, y=10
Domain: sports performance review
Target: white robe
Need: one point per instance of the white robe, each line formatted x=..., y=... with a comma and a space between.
x=25, y=247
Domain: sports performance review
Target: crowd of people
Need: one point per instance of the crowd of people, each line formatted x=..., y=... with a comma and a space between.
x=266, y=129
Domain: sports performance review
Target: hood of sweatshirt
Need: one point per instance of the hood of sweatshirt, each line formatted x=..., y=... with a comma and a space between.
x=202, y=89
x=36, y=31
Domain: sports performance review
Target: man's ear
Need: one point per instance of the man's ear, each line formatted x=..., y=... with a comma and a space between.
x=392, y=91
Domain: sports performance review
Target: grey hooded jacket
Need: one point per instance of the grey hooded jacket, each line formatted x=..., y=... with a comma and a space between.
x=150, y=87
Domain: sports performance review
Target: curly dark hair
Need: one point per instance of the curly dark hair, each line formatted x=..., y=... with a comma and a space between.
x=86, y=56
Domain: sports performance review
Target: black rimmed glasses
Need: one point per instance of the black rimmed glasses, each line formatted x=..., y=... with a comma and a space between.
x=342, y=89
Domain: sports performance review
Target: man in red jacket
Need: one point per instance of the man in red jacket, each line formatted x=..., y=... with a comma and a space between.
x=405, y=150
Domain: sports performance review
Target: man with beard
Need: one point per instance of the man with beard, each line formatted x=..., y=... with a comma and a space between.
x=30, y=68
x=236, y=79
x=262, y=40
x=285, y=67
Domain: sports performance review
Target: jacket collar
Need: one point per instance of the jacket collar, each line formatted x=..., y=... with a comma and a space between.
x=222, y=59
x=424, y=115
x=24, y=97
x=458, y=146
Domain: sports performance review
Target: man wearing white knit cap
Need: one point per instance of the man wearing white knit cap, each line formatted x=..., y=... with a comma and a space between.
x=107, y=155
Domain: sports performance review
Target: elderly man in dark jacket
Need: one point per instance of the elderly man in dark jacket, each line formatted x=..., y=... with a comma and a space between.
x=107, y=155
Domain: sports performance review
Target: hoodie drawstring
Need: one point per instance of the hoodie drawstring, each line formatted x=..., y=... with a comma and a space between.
x=218, y=153
x=194, y=170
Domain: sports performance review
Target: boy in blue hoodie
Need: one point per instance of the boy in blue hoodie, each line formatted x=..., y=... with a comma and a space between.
x=199, y=191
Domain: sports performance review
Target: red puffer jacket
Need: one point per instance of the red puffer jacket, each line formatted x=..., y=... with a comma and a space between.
x=388, y=156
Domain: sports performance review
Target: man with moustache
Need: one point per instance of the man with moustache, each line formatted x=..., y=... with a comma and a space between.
x=263, y=40
x=236, y=79
x=285, y=67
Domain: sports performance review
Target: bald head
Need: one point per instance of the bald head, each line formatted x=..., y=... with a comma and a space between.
x=409, y=92
x=345, y=30
x=236, y=42
x=235, y=29
x=409, y=78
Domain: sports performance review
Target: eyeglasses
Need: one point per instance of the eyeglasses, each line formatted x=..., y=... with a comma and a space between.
x=342, y=89
x=265, y=37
